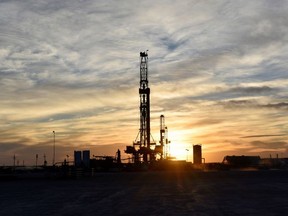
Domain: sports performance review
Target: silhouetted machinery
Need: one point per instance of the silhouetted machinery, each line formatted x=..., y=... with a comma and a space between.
x=143, y=148
x=164, y=143
x=242, y=161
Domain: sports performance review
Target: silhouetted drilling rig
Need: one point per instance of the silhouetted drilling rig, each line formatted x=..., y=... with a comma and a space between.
x=164, y=143
x=144, y=149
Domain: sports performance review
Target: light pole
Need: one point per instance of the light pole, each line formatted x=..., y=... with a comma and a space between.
x=36, y=160
x=14, y=159
x=45, y=162
x=187, y=155
x=54, y=149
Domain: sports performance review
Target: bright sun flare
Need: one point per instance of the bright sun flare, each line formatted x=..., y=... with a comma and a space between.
x=179, y=148
x=180, y=151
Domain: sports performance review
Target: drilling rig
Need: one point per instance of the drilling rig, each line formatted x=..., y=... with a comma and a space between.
x=143, y=148
x=164, y=143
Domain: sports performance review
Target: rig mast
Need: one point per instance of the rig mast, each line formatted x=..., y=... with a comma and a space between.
x=162, y=134
x=164, y=143
x=144, y=93
x=143, y=145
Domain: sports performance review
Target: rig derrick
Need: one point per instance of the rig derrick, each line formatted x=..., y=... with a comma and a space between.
x=143, y=148
x=164, y=143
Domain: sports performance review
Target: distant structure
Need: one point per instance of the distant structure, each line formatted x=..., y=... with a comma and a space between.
x=118, y=156
x=106, y=163
x=197, y=154
x=241, y=161
x=53, y=162
x=86, y=158
x=77, y=158
x=82, y=158
x=164, y=143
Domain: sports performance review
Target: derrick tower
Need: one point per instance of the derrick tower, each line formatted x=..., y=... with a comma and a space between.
x=142, y=146
x=164, y=142
x=144, y=93
x=163, y=138
x=143, y=142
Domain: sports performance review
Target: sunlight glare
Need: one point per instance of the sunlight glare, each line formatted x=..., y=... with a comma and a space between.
x=180, y=151
x=179, y=146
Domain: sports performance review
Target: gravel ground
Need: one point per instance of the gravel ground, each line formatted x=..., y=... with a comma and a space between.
x=150, y=193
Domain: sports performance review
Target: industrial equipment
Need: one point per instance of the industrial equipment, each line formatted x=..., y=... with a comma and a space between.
x=164, y=143
x=143, y=148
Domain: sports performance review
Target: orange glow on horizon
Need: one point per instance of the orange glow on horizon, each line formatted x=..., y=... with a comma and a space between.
x=181, y=146
x=180, y=151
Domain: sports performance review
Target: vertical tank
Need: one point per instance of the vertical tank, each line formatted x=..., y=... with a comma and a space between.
x=77, y=158
x=86, y=158
x=197, y=154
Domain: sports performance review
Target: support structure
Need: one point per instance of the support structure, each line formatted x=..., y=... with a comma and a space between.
x=142, y=146
x=162, y=134
x=144, y=93
x=163, y=139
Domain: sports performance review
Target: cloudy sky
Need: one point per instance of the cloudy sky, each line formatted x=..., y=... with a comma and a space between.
x=217, y=71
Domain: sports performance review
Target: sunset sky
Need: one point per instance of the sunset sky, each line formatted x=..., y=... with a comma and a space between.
x=217, y=71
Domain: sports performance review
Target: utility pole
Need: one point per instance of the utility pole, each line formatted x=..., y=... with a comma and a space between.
x=36, y=160
x=54, y=149
x=45, y=162
x=14, y=160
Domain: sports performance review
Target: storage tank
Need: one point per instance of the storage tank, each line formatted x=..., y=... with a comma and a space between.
x=86, y=158
x=77, y=158
x=197, y=154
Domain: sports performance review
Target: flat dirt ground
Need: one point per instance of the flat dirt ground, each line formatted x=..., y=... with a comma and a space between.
x=150, y=193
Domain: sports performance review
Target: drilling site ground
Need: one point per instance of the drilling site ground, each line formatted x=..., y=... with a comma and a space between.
x=150, y=193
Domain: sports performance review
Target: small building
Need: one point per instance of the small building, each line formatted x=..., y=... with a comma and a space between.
x=242, y=161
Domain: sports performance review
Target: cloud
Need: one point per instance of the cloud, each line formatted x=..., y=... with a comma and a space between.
x=252, y=104
x=282, y=105
x=7, y=147
x=238, y=92
x=264, y=135
x=269, y=145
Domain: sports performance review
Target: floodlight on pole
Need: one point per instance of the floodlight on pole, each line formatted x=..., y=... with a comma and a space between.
x=54, y=149
x=187, y=154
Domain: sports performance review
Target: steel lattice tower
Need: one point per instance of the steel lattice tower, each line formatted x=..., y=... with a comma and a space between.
x=164, y=142
x=144, y=93
x=142, y=146
x=162, y=134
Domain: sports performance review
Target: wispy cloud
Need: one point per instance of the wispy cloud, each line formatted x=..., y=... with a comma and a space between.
x=264, y=135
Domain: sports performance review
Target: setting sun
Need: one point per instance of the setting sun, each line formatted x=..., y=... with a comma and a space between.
x=180, y=147
x=180, y=151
